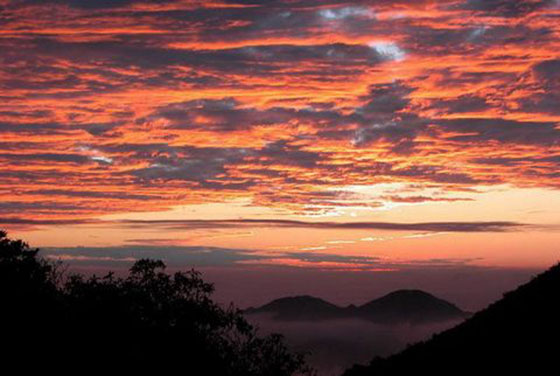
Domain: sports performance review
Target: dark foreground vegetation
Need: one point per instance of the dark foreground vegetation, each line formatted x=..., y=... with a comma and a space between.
x=147, y=320
x=519, y=334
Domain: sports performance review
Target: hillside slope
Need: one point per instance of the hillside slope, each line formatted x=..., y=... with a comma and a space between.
x=519, y=332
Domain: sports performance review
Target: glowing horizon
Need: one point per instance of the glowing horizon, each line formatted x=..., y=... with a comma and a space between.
x=123, y=123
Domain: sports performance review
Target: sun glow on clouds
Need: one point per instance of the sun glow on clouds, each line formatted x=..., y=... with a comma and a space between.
x=346, y=12
x=321, y=111
x=388, y=50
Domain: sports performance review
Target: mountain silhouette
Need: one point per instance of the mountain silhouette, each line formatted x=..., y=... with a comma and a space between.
x=300, y=308
x=412, y=306
x=518, y=333
x=409, y=306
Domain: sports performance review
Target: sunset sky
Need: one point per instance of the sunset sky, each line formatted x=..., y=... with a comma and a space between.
x=292, y=138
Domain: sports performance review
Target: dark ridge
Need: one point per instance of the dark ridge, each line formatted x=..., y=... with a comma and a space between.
x=411, y=306
x=518, y=333
x=299, y=308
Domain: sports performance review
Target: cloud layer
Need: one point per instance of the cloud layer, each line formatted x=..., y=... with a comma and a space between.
x=143, y=105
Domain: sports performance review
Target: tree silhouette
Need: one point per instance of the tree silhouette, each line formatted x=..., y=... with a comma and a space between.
x=145, y=320
x=28, y=286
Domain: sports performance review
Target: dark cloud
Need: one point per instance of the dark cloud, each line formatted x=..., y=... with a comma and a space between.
x=209, y=166
x=36, y=206
x=251, y=60
x=23, y=145
x=385, y=99
x=548, y=70
x=224, y=114
x=202, y=166
x=547, y=96
x=505, y=161
x=429, y=226
x=303, y=20
x=57, y=127
x=92, y=5
x=383, y=118
x=419, y=199
x=462, y=104
x=451, y=77
x=400, y=131
x=19, y=221
x=93, y=194
x=45, y=128
x=284, y=154
x=39, y=114
x=180, y=256
x=546, y=103
x=506, y=8
x=227, y=114
x=500, y=130
x=173, y=255
x=535, y=167
x=273, y=223
x=100, y=129
x=472, y=41
x=46, y=157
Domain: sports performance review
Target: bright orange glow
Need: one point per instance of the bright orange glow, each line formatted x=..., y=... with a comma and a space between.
x=394, y=112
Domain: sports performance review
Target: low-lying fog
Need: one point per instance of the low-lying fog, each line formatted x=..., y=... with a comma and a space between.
x=335, y=345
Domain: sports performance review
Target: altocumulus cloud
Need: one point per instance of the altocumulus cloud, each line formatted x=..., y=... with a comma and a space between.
x=276, y=102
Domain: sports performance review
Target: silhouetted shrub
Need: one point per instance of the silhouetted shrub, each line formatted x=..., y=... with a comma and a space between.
x=145, y=320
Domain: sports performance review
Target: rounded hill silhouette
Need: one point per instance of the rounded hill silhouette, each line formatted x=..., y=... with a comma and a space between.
x=303, y=307
x=410, y=306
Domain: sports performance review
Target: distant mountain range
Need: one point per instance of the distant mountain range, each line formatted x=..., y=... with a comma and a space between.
x=518, y=334
x=412, y=306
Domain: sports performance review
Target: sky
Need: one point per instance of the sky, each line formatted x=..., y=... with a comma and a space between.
x=286, y=144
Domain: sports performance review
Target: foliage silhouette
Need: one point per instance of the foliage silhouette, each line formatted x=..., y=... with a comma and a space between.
x=515, y=335
x=148, y=319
